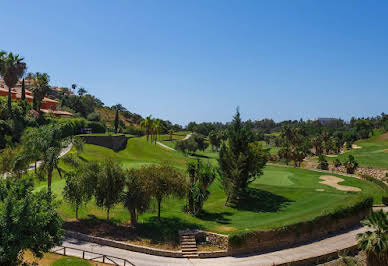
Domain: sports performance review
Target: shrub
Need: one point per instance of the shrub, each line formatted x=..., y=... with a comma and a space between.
x=351, y=164
x=337, y=163
x=96, y=127
x=322, y=163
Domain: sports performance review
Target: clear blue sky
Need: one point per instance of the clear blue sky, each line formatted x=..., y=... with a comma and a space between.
x=197, y=60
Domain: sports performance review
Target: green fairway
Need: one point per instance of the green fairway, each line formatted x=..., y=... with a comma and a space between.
x=282, y=196
x=373, y=152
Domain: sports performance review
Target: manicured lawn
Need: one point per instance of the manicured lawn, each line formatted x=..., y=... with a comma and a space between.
x=281, y=196
x=374, y=151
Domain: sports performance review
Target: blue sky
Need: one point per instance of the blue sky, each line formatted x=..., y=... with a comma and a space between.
x=197, y=60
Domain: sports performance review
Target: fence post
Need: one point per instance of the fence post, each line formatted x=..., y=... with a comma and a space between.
x=103, y=258
x=83, y=254
x=64, y=251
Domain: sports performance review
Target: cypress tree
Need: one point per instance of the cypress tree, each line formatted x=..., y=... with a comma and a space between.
x=116, y=120
x=23, y=91
x=241, y=160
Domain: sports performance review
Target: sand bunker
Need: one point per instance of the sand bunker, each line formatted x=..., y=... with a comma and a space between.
x=332, y=155
x=333, y=182
x=354, y=146
x=320, y=189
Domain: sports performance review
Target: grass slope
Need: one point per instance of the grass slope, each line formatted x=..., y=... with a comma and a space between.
x=373, y=152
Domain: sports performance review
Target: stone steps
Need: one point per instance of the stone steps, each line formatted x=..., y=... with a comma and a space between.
x=188, y=244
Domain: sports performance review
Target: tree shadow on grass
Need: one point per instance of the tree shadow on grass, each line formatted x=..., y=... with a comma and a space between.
x=257, y=200
x=218, y=217
x=151, y=230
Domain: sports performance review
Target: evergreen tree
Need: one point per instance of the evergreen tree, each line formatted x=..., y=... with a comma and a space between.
x=241, y=161
x=23, y=91
x=116, y=120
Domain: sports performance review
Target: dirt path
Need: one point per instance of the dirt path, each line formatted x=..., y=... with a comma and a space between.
x=333, y=182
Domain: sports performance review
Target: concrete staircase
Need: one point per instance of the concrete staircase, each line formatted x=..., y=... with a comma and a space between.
x=188, y=244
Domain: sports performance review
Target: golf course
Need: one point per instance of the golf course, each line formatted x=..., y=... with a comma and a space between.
x=281, y=196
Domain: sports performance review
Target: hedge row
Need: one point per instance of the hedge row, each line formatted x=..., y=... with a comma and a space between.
x=236, y=240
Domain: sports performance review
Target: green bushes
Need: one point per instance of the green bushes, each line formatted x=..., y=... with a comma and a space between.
x=322, y=163
x=74, y=126
x=358, y=205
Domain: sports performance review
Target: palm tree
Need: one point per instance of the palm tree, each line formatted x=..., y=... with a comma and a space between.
x=40, y=87
x=12, y=69
x=147, y=125
x=171, y=132
x=157, y=126
x=375, y=242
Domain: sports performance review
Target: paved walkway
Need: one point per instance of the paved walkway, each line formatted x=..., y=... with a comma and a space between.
x=318, y=248
x=169, y=148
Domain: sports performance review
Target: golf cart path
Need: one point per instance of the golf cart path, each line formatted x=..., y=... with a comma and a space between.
x=330, y=245
x=63, y=152
x=169, y=148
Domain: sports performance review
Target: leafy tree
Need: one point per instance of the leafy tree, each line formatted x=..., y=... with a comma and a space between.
x=215, y=140
x=201, y=141
x=164, y=180
x=363, y=128
x=80, y=185
x=322, y=163
x=350, y=164
x=116, y=123
x=137, y=196
x=12, y=69
x=241, y=161
x=375, y=242
x=187, y=146
x=110, y=179
x=28, y=221
x=201, y=176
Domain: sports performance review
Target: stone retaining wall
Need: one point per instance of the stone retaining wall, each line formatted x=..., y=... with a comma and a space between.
x=116, y=143
x=258, y=241
x=218, y=240
x=123, y=245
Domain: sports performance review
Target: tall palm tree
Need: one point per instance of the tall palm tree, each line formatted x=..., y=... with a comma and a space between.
x=40, y=87
x=375, y=242
x=147, y=125
x=157, y=126
x=12, y=69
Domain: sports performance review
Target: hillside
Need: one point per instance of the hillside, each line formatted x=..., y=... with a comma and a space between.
x=108, y=115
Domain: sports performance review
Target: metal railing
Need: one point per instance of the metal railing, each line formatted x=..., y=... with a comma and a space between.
x=94, y=256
